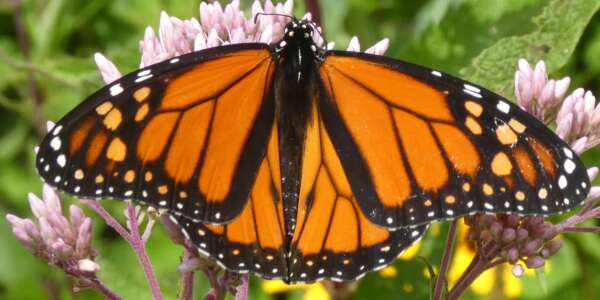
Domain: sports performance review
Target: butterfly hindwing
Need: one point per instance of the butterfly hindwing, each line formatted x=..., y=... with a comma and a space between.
x=333, y=238
x=418, y=145
x=185, y=135
x=254, y=241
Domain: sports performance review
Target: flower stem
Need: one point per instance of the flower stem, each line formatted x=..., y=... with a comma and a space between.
x=475, y=268
x=582, y=229
x=139, y=246
x=112, y=222
x=440, y=281
x=242, y=289
x=103, y=289
x=187, y=289
x=134, y=239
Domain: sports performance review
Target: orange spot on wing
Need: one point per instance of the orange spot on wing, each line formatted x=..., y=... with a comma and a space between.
x=104, y=108
x=113, y=119
x=398, y=88
x=117, y=150
x=474, y=108
x=79, y=134
x=505, y=135
x=473, y=126
x=458, y=147
x=188, y=142
x=142, y=112
x=155, y=135
x=423, y=154
x=501, y=165
x=545, y=156
x=95, y=148
x=526, y=165
x=141, y=94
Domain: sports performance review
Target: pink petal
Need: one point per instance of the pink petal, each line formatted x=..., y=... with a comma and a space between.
x=354, y=45
x=49, y=125
x=37, y=206
x=107, y=69
x=379, y=48
x=592, y=173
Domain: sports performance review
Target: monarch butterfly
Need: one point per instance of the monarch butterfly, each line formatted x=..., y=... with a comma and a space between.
x=296, y=162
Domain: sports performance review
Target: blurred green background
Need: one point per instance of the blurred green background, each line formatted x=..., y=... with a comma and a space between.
x=477, y=40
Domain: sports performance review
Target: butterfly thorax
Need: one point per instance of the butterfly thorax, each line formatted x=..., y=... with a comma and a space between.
x=294, y=87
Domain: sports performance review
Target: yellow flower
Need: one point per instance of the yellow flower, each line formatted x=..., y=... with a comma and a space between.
x=314, y=291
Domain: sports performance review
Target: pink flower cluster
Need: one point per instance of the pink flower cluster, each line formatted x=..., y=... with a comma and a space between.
x=577, y=115
x=62, y=241
x=217, y=27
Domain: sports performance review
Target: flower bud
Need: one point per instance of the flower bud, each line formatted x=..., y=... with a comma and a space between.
x=512, y=255
x=508, y=235
x=531, y=247
x=517, y=270
x=551, y=248
x=534, y=262
x=522, y=235
x=496, y=230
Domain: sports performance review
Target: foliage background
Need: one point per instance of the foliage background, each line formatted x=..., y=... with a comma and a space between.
x=477, y=40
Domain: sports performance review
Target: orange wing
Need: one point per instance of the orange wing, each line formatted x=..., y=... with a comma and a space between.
x=333, y=238
x=254, y=241
x=418, y=145
x=185, y=135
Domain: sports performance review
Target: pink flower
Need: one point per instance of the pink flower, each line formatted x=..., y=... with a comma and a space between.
x=536, y=93
x=62, y=241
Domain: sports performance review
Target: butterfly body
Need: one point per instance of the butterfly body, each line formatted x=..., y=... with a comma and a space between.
x=295, y=162
x=294, y=90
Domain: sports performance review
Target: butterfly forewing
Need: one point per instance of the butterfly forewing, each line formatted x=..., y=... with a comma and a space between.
x=418, y=145
x=185, y=135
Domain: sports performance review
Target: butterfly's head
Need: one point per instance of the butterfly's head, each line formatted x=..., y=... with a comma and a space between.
x=298, y=33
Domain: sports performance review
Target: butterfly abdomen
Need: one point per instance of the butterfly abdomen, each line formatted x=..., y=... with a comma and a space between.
x=294, y=87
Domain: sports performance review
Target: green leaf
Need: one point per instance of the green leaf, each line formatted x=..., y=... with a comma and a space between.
x=554, y=38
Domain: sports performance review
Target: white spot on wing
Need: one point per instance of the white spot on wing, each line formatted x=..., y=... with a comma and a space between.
x=472, y=88
x=116, y=89
x=569, y=166
x=57, y=130
x=562, y=182
x=436, y=73
x=55, y=143
x=503, y=107
x=144, y=73
x=61, y=160
x=568, y=152
x=476, y=95
x=143, y=78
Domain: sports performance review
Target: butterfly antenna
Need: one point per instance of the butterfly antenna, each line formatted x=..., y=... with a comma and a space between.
x=271, y=14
